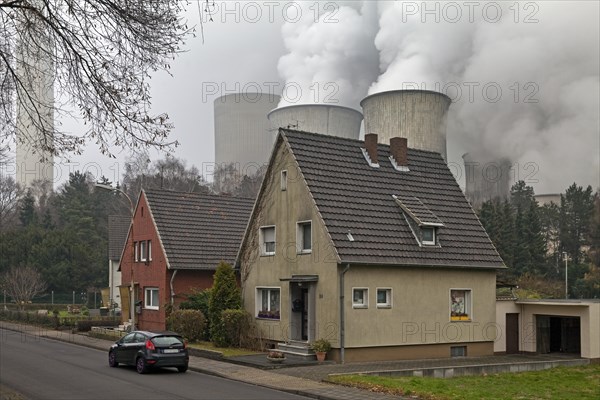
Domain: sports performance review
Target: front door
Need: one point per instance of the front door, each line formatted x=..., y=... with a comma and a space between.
x=304, y=294
x=512, y=333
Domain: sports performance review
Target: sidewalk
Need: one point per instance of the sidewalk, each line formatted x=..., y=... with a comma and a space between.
x=270, y=379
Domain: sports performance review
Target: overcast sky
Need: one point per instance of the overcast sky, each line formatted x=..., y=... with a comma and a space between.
x=524, y=77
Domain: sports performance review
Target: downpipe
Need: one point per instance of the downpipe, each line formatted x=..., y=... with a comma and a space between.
x=342, y=314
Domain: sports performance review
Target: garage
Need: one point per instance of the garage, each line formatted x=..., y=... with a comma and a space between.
x=557, y=334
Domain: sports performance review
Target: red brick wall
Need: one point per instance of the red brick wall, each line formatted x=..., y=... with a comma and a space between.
x=155, y=274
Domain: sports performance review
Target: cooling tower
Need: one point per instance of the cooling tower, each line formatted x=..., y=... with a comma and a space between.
x=34, y=118
x=318, y=118
x=242, y=131
x=486, y=179
x=418, y=115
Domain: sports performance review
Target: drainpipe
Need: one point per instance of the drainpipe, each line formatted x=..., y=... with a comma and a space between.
x=171, y=285
x=342, y=312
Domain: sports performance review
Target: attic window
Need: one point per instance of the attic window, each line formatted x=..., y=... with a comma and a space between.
x=422, y=221
x=428, y=235
x=283, y=180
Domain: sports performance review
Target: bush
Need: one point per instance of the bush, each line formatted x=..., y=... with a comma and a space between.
x=225, y=295
x=237, y=328
x=188, y=323
x=199, y=300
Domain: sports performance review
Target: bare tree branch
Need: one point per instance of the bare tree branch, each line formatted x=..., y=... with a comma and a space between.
x=89, y=59
x=22, y=284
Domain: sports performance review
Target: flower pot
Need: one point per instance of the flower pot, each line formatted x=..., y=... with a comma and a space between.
x=276, y=360
x=320, y=356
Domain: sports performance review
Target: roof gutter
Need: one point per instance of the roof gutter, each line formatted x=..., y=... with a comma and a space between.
x=383, y=264
x=342, y=314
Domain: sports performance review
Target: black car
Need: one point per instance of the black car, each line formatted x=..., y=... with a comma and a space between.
x=148, y=350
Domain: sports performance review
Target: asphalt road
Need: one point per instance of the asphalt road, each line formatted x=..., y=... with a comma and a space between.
x=41, y=368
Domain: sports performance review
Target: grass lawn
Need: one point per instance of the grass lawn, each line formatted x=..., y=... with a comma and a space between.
x=226, y=351
x=557, y=383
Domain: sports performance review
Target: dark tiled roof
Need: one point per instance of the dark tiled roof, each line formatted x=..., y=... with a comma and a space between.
x=352, y=196
x=199, y=230
x=118, y=227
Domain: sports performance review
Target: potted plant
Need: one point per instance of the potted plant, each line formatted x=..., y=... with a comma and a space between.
x=321, y=347
x=276, y=357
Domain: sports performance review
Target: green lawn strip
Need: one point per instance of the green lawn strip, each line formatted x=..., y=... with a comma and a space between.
x=226, y=351
x=558, y=383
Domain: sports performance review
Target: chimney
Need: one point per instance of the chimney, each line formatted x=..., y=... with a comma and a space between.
x=398, y=149
x=371, y=147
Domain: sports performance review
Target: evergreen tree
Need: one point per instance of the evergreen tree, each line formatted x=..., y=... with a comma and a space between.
x=28, y=215
x=225, y=295
x=576, y=209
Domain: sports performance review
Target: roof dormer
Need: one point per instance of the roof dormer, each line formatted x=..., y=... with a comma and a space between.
x=423, y=223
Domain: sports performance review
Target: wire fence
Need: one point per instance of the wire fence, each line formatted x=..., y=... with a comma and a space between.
x=89, y=299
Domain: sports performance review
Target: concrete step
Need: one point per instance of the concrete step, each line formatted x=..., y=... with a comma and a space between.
x=297, y=348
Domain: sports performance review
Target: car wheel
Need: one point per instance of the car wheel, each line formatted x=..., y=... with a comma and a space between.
x=182, y=369
x=112, y=359
x=140, y=365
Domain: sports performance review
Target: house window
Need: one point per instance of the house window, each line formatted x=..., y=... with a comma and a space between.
x=458, y=351
x=304, y=237
x=460, y=305
x=143, y=251
x=135, y=251
x=384, y=298
x=360, y=297
x=151, y=298
x=149, y=250
x=267, y=303
x=428, y=235
x=267, y=240
x=283, y=180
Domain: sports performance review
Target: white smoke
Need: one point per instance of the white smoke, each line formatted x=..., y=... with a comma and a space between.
x=523, y=76
x=332, y=58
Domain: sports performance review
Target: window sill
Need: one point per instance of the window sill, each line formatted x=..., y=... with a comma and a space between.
x=460, y=319
x=384, y=306
x=151, y=308
x=304, y=252
x=268, y=319
x=359, y=306
x=267, y=254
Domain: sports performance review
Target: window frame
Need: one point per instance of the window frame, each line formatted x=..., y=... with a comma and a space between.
x=263, y=244
x=300, y=245
x=283, y=180
x=388, y=303
x=365, y=303
x=433, y=234
x=467, y=314
x=136, y=257
x=259, y=290
x=143, y=250
x=148, y=298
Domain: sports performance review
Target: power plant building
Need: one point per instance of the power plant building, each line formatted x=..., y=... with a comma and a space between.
x=242, y=132
x=318, y=118
x=486, y=179
x=420, y=116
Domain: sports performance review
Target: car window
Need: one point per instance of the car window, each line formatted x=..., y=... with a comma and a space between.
x=128, y=338
x=139, y=338
x=167, y=340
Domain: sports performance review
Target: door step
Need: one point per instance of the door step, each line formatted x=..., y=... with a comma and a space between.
x=296, y=348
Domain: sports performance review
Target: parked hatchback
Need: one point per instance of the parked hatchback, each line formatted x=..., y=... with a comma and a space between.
x=148, y=350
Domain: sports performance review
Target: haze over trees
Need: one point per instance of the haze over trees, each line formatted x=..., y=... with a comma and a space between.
x=533, y=240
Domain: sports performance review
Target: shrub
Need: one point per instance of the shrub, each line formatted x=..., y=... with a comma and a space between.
x=199, y=300
x=321, y=345
x=237, y=325
x=225, y=295
x=188, y=323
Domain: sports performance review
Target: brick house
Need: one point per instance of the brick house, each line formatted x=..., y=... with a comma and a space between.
x=174, y=246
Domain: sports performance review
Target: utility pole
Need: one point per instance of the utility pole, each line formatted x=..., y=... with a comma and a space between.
x=566, y=258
